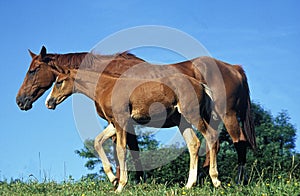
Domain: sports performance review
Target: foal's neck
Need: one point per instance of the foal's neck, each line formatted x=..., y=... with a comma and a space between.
x=87, y=82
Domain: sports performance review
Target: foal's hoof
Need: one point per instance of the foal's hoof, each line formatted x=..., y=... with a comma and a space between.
x=189, y=185
x=119, y=189
x=216, y=183
x=115, y=183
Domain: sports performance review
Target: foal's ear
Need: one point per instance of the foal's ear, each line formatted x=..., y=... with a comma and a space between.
x=61, y=69
x=31, y=53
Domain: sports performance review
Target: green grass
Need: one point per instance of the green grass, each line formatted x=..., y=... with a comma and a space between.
x=278, y=186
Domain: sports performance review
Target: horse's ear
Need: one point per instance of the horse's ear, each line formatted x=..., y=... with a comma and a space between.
x=31, y=53
x=43, y=52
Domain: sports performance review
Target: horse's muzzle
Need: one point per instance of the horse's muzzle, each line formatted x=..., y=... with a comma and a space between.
x=51, y=103
x=24, y=102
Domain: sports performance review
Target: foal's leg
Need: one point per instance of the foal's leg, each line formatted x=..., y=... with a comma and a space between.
x=121, y=153
x=211, y=137
x=108, y=132
x=132, y=144
x=239, y=141
x=193, y=145
x=214, y=124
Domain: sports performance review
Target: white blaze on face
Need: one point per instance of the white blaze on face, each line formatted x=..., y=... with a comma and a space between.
x=49, y=95
x=47, y=99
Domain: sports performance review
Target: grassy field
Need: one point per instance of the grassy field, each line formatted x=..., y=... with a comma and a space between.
x=278, y=186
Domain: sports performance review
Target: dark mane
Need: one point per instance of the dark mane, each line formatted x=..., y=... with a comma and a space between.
x=87, y=60
x=71, y=60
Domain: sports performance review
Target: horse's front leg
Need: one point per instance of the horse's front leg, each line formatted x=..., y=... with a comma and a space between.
x=133, y=146
x=108, y=132
x=121, y=153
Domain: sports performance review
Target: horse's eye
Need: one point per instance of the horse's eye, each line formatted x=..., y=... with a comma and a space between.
x=33, y=71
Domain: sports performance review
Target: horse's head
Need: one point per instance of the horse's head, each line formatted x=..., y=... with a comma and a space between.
x=62, y=88
x=38, y=79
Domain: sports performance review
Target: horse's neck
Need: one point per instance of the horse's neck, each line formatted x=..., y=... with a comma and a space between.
x=71, y=60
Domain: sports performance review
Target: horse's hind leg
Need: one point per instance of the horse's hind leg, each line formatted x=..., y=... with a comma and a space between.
x=193, y=145
x=240, y=143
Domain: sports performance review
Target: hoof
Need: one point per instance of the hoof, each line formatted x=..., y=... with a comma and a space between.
x=242, y=178
x=115, y=183
x=216, y=183
x=189, y=185
x=119, y=189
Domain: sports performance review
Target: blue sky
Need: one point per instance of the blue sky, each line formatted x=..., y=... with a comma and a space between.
x=263, y=36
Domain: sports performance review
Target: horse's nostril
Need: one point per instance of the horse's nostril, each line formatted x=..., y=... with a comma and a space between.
x=20, y=100
x=27, y=99
x=24, y=102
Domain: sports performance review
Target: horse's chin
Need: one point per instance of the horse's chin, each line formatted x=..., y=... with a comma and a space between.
x=25, y=104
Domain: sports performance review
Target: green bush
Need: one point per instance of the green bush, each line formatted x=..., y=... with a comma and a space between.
x=275, y=154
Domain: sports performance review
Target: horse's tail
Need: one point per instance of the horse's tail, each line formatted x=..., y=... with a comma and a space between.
x=244, y=107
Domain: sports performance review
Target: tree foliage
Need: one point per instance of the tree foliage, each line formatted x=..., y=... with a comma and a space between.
x=275, y=154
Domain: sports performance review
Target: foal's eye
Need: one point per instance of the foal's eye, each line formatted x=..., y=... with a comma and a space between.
x=58, y=84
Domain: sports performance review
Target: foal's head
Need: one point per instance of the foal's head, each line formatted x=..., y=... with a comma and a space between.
x=62, y=89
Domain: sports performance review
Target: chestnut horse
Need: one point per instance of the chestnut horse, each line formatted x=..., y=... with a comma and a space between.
x=127, y=101
x=229, y=87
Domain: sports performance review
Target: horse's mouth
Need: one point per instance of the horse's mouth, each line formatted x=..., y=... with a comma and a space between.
x=26, y=106
x=24, y=103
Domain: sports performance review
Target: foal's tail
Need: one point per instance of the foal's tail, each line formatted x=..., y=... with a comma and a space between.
x=244, y=107
x=207, y=108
